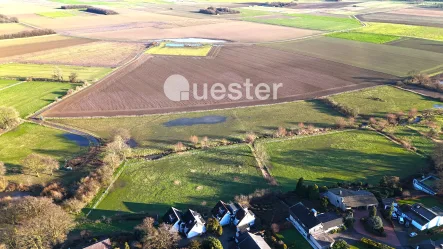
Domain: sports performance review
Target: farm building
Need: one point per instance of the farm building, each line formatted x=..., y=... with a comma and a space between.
x=347, y=199
x=314, y=227
x=421, y=216
x=251, y=241
x=427, y=184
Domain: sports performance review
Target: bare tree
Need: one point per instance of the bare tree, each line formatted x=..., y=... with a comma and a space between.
x=9, y=118
x=113, y=160
x=194, y=140
x=340, y=122
x=281, y=132
x=391, y=118
x=73, y=77
x=412, y=113
x=157, y=238
x=2, y=169
x=250, y=138
x=36, y=164
x=122, y=133
x=118, y=147
x=179, y=147
x=57, y=74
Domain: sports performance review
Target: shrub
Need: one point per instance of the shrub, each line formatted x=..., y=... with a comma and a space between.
x=28, y=33
x=218, y=11
x=372, y=244
x=78, y=6
x=101, y=11
x=5, y=19
x=350, y=112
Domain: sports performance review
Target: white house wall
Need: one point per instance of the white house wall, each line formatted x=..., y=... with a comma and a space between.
x=196, y=231
x=225, y=220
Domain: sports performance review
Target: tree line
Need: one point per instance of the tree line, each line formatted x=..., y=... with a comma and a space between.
x=6, y=19
x=28, y=33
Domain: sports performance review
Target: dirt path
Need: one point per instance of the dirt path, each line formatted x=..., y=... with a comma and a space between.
x=262, y=167
x=6, y=87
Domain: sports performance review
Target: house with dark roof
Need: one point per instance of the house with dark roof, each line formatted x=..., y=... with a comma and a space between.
x=243, y=219
x=224, y=212
x=251, y=241
x=192, y=224
x=427, y=184
x=347, y=199
x=173, y=218
x=314, y=227
x=421, y=216
x=104, y=244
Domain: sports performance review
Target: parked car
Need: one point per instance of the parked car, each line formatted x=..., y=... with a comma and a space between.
x=401, y=220
x=407, y=223
x=394, y=216
x=413, y=234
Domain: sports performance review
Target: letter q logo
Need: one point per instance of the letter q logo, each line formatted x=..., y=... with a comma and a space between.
x=176, y=88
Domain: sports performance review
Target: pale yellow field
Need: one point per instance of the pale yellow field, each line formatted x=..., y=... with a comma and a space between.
x=103, y=54
x=31, y=40
x=10, y=28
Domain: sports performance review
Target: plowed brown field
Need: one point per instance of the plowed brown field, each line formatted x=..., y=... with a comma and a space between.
x=138, y=88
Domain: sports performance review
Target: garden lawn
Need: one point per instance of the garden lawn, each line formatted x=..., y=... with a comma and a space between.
x=428, y=201
x=348, y=156
x=29, y=97
x=30, y=138
x=189, y=180
x=153, y=136
x=365, y=37
x=57, y=14
x=379, y=101
x=293, y=239
x=306, y=21
x=6, y=83
x=91, y=74
x=431, y=33
x=183, y=51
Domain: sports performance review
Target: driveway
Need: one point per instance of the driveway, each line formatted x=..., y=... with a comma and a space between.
x=390, y=239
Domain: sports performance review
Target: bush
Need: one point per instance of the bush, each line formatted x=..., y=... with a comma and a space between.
x=5, y=19
x=280, y=4
x=101, y=11
x=79, y=6
x=372, y=244
x=350, y=112
x=28, y=33
x=218, y=11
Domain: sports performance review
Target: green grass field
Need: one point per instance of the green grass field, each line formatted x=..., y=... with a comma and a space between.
x=431, y=33
x=189, y=180
x=184, y=51
x=306, y=21
x=365, y=37
x=91, y=74
x=428, y=201
x=397, y=61
x=379, y=101
x=423, y=144
x=57, y=14
x=6, y=83
x=31, y=138
x=153, y=136
x=293, y=239
x=29, y=97
x=343, y=156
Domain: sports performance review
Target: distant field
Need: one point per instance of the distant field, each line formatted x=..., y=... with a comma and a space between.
x=153, y=136
x=431, y=33
x=29, y=97
x=31, y=138
x=392, y=17
x=392, y=60
x=344, y=156
x=428, y=45
x=57, y=14
x=183, y=51
x=9, y=28
x=91, y=74
x=326, y=23
x=379, y=101
x=364, y=37
x=5, y=83
x=189, y=180
x=90, y=54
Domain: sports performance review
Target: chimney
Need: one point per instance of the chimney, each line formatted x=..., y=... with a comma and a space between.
x=341, y=193
x=314, y=212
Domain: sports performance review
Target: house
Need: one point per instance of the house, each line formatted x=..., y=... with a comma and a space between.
x=347, y=199
x=387, y=203
x=192, y=224
x=244, y=218
x=251, y=241
x=420, y=216
x=426, y=184
x=314, y=227
x=224, y=212
x=173, y=218
x=104, y=244
x=430, y=244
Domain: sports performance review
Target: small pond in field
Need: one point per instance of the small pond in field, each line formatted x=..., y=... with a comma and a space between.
x=79, y=140
x=195, y=121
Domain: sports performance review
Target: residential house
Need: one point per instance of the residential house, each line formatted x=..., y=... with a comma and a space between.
x=314, y=227
x=173, y=218
x=347, y=199
x=104, y=244
x=426, y=184
x=420, y=216
x=192, y=224
x=243, y=219
x=224, y=212
x=251, y=241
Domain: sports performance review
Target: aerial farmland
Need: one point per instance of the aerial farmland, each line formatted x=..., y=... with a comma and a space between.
x=115, y=113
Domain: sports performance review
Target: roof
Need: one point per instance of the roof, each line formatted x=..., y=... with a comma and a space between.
x=191, y=217
x=252, y=241
x=220, y=209
x=304, y=216
x=104, y=244
x=388, y=201
x=242, y=213
x=330, y=220
x=323, y=239
x=353, y=198
x=172, y=216
x=424, y=212
x=233, y=207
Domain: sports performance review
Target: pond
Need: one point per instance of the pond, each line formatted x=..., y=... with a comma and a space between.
x=195, y=121
x=79, y=140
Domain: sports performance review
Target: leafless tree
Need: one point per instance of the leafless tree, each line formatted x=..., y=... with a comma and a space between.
x=194, y=140
x=9, y=118
x=157, y=238
x=36, y=164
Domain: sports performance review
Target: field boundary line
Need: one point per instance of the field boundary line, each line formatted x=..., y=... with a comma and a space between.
x=105, y=193
x=275, y=140
x=262, y=167
x=6, y=87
